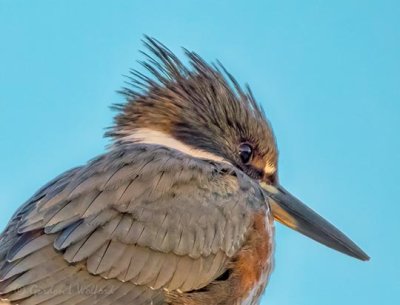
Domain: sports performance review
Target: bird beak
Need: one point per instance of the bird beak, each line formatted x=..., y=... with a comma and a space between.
x=291, y=212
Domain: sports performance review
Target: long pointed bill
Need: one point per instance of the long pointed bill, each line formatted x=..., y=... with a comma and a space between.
x=291, y=212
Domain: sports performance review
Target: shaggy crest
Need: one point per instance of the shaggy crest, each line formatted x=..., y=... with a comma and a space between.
x=199, y=104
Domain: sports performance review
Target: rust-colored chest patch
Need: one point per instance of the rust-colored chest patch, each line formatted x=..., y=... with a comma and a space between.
x=254, y=262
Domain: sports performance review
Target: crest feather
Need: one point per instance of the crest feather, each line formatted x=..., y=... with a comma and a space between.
x=166, y=72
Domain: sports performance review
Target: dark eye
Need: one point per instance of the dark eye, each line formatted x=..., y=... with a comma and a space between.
x=245, y=152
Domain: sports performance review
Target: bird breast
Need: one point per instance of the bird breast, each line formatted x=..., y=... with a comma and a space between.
x=254, y=262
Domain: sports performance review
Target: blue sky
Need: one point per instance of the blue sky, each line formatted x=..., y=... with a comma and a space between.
x=327, y=74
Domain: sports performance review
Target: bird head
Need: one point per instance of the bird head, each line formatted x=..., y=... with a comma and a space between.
x=201, y=110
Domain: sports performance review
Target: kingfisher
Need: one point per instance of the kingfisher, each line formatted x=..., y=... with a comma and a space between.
x=179, y=210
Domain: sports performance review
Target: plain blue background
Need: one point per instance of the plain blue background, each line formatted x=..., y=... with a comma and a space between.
x=327, y=75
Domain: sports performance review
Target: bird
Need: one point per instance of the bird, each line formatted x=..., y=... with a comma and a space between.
x=179, y=210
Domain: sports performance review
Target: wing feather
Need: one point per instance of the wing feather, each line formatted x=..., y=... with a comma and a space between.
x=136, y=220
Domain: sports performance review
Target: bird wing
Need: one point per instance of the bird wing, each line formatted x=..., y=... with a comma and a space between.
x=134, y=221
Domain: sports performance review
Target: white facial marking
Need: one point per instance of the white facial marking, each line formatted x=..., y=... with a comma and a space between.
x=269, y=169
x=150, y=136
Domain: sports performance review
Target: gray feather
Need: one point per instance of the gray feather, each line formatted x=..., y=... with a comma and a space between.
x=127, y=224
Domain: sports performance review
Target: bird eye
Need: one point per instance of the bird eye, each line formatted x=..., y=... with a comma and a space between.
x=245, y=152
